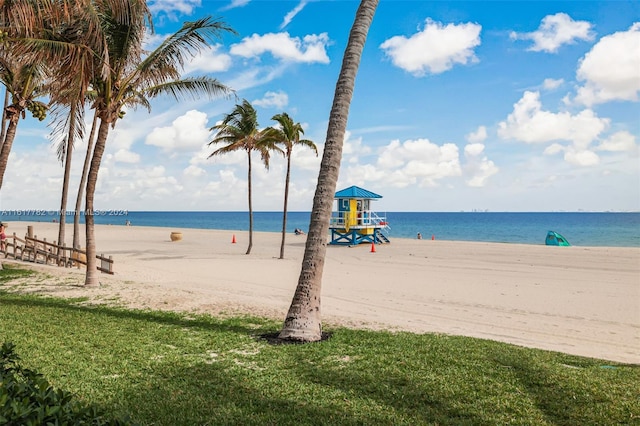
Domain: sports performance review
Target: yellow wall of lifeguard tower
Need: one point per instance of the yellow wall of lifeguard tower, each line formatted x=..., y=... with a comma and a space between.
x=353, y=213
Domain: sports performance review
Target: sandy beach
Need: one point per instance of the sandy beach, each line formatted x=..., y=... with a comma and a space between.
x=578, y=300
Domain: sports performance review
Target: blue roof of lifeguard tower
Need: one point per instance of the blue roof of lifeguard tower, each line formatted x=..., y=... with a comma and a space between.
x=356, y=192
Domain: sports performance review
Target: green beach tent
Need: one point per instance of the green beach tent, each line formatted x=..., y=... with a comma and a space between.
x=555, y=239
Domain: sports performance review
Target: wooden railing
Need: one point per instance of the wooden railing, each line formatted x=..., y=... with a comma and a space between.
x=31, y=249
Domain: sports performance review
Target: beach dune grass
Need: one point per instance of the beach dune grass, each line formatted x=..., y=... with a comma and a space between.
x=166, y=368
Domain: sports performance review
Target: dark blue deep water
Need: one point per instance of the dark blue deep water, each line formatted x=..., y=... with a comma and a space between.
x=580, y=229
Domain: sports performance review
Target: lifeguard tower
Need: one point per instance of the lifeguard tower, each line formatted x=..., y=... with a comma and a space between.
x=354, y=222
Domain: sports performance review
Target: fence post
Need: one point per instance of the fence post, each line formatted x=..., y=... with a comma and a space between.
x=30, y=231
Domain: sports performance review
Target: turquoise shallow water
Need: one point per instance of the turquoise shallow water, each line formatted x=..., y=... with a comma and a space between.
x=580, y=229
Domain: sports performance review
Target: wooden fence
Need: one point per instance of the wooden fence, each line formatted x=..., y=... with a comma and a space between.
x=31, y=249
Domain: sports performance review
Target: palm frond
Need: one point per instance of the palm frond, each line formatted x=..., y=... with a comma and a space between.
x=60, y=127
x=185, y=43
x=309, y=144
x=290, y=131
x=232, y=147
x=192, y=87
x=138, y=99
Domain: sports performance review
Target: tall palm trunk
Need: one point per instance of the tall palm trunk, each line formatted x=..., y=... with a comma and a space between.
x=250, y=207
x=286, y=199
x=91, y=278
x=83, y=181
x=67, y=172
x=3, y=130
x=303, y=321
x=4, y=135
x=6, y=146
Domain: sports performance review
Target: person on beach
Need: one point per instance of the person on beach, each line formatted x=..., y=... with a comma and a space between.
x=3, y=238
x=299, y=231
x=419, y=236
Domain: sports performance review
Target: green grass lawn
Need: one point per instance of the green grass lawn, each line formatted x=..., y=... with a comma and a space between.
x=178, y=369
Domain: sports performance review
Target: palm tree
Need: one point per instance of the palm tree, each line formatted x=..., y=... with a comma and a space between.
x=70, y=93
x=74, y=126
x=107, y=54
x=4, y=116
x=303, y=322
x=24, y=80
x=289, y=135
x=43, y=25
x=129, y=80
x=83, y=182
x=54, y=34
x=239, y=130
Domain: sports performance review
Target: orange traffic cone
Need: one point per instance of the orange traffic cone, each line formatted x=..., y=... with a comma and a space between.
x=233, y=239
x=373, y=247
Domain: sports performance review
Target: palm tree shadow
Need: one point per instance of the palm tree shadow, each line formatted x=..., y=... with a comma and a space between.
x=166, y=318
x=300, y=244
x=274, y=339
x=560, y=401
x=226, y=397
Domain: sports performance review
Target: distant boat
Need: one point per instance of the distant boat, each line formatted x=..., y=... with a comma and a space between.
x=555, y=239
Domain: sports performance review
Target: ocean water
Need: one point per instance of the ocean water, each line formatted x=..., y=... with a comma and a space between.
x=580, y=229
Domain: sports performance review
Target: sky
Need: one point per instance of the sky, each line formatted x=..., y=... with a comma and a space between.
x=458, y=106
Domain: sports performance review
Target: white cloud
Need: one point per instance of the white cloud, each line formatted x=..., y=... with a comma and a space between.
x=420, y=161
x=435, y=49
x=622, y=141
x=611, y=69
x=209, y=61
x=150, y=182
x=572, y=155
x=124, y=156
x=201, y=158
x=480, y=135
x=187, y=133
x=256, y=76
x=353, y=149
x=552, y=84
x=553, y=149
x=120, y=137
x=303, y=158
x=478, y=168
x=174, y=7
x=556, y=31
x=399, y=165
x=226, y=186
x=531, y=124
x=26, y=174
x=194, y=171
x=234, y=4
x=277, y=100
x=289, y=16
x=282, y=46
x=360, y=174
x=474, y=149
x=582, y=158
